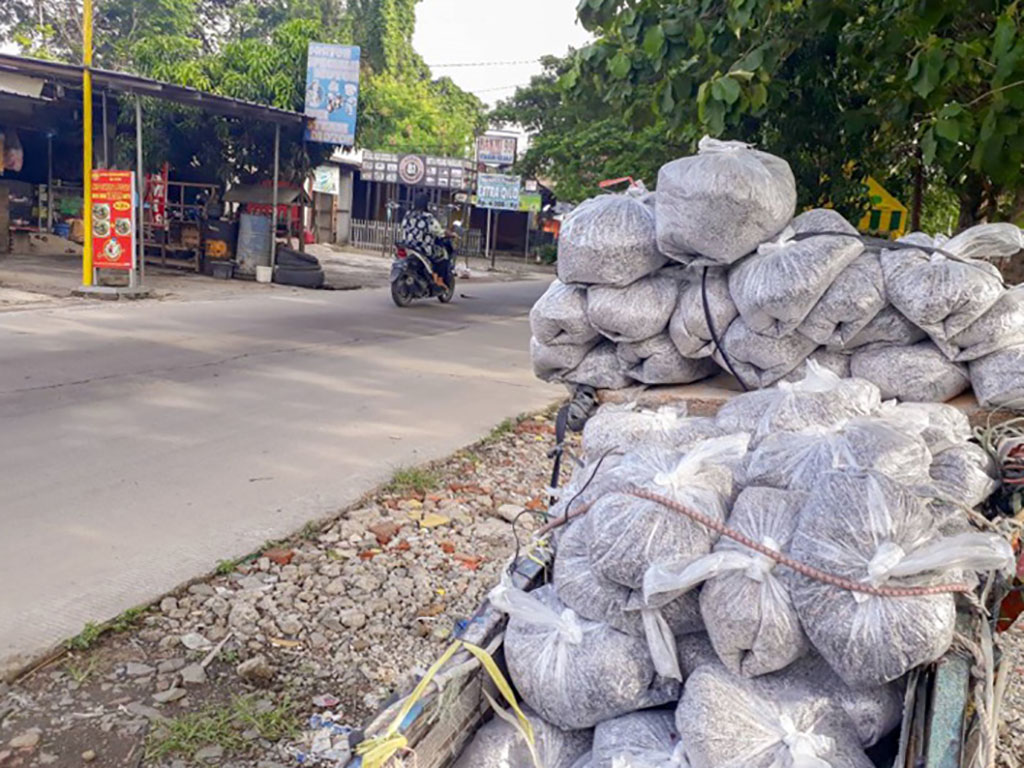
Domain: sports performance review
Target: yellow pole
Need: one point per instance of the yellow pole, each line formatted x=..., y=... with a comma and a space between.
x=87, y=141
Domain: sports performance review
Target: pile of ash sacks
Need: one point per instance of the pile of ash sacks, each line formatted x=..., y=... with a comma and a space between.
x=659, y=642
x=712, y=272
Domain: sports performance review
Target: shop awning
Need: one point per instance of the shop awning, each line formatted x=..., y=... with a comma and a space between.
x=256, y=194
x=122, y=82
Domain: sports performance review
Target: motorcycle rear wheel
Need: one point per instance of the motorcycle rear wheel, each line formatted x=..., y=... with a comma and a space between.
x=400, y=294
x=449, y=293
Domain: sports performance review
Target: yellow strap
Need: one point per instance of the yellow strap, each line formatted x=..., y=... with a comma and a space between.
x=377, y=751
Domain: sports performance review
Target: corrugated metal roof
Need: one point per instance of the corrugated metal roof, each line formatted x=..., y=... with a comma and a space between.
x=122, y=82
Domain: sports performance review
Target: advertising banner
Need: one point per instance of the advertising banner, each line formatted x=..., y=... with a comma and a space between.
x=498, y=191
x=496, y=150
x=332, y=93
x=530, y=202
x=113, y=219
x=156, y=197
x=327, y=180
x=418, y=170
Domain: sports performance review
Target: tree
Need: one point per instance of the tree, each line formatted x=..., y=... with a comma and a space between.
x=578, y=140
x=933, y=86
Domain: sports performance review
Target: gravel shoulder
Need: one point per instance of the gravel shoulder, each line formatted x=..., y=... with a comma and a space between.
x=228, y=671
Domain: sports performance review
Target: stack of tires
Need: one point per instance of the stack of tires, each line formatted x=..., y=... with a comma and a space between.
x=298, y=269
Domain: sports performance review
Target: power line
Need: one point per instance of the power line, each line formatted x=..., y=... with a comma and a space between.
x=501, y=88
x=485, y=64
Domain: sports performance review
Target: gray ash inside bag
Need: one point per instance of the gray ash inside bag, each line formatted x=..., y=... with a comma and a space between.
x=941, y=296
x=916, y=373
x=1001, y=327
x=836, y=362
x=638, y=740
x=657, y=361
x=574, y=672
x=637, y=311
x=887, y=328
x=600, y=368
x=852, y=301
x=963, y=475
x=627, y=426
x=500, y=744
x=885, y=536
x=551, y=362
x=759, y=361
x=998, y=378
x=723, y=202
x=727, y=721
x=560, y=316
x=820, y=400
x=745, y=605
x=598, y=599
x=776, y=288
x=608, y=240
x=689, y=324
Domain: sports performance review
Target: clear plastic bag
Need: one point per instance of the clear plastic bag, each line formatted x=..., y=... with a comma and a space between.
x=637, y=311
x=501, y=744
x=836, y=362
x=963, y=475
x=918, y=373
x=689, y=324
x=628, y=535
x=938, y=424
x=574, y=672
x=1001, y=327
x=758, y=360
x=746, y=607
x=888, y=328
x=638, y=740
x=721, y=203
x=941, y=296
x=820, y=400
x=600, y=368
x=695, y=650
x=986, y=241
x=609, y=240
x=657, y=361
x=852, y=301
x=626, y=427
x=776, y=288
x=797, y=460
x=998, y=379
x=551, y=362
x=560, y=316
x=884, y=536
x=727, y=721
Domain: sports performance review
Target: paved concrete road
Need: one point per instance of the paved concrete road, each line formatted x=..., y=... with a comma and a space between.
x=141, y=443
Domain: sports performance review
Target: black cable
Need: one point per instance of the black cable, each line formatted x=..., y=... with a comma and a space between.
x=586, y=485
x=714, y=333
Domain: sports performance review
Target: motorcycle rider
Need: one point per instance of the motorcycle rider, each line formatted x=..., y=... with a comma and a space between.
x=421, y=231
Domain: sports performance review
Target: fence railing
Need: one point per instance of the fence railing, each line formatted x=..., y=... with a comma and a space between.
x=381, y=235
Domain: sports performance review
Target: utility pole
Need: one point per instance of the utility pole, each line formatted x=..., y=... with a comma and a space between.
x=87, y=271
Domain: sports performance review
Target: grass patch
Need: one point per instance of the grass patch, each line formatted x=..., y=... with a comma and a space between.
x=87, y=638
x=311, y=531
x=507, y=427
x=223, y=725
x=413, y=480
x=80, y=673
x=127, y=620
x=225, y=567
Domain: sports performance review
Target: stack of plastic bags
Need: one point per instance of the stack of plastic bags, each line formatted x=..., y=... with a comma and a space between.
x=662, y=642
x=720, y=274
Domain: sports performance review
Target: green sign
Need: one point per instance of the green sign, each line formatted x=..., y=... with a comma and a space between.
x=529, y=202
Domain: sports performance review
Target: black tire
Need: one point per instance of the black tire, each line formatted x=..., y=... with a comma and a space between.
x=399, y=294
x=449, y=293
x=289, y=257
x=300, y=277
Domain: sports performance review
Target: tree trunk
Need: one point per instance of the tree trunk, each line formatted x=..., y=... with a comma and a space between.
x=972, y=197
x=918, y=201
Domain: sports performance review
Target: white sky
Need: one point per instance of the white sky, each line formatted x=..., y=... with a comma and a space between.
x=466, y=31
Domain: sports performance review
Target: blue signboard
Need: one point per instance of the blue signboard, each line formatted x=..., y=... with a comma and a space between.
x=495, y=190
x=332, y=93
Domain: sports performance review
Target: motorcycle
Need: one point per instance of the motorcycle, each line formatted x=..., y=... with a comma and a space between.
x=415, y=275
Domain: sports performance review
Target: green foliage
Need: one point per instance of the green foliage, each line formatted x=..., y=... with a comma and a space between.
x=225, y=567
x=825, y=83
x=419, y=480
x=87, y=638
x=223, y=725
x=127, y=620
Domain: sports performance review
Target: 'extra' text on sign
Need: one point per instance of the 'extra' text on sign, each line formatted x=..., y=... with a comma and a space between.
x=495, y=190
x=332, y=93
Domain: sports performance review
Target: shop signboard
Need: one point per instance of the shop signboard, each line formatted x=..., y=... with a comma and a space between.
x=496, y=150
x=498, y=191
x=327, y=180
x=530, y=202
x=332, y=93
x=113, y=219
x=418, y=170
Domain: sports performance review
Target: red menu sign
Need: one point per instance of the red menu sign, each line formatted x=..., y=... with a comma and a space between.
x=113, y=219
